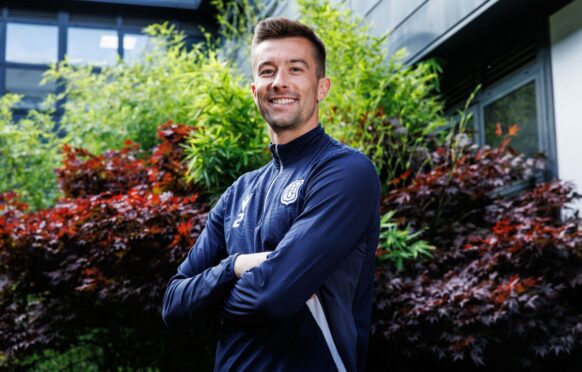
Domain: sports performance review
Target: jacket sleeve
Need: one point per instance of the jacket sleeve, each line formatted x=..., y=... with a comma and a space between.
x=341, y=203
x=204, y=277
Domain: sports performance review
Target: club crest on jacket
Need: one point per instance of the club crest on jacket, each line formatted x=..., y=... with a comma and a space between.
x=290, y=193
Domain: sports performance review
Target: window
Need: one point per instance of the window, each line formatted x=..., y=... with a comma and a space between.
x=517, y=99
x=29, y=49
x=95, y=46
x=27, y=82
x=27, y=43
x=517, y=107
x=511, y=101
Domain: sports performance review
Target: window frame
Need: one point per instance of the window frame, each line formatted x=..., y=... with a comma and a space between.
x=509, y=83
x=517, y=79
x=533, y=71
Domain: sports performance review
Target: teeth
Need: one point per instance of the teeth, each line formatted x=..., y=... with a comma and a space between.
x=283, y=101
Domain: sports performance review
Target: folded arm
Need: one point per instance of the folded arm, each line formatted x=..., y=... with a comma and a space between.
x=341, y=200
x=204, y=277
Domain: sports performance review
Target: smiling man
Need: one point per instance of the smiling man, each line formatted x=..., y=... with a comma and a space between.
x=286, y=260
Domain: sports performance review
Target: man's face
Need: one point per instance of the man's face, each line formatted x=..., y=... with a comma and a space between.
x=286, y=87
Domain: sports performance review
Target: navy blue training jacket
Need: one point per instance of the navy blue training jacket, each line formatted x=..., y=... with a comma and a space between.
x=316, y=207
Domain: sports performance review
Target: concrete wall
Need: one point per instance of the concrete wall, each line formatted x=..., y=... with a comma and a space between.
x=566, y=52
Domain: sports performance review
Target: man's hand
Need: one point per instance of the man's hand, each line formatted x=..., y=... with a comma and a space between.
x=245, y=262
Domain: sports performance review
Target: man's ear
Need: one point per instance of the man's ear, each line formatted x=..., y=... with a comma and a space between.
x=323, y=88
x=254, y=90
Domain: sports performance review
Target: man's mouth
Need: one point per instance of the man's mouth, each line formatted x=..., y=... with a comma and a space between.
x=282, y=101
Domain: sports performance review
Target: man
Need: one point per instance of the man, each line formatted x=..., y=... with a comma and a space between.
x=286, y=260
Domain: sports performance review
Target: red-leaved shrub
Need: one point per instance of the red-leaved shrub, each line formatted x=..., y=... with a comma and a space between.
x=503, y=288
x=85, y=174
x=168, y=170
x=97, y=263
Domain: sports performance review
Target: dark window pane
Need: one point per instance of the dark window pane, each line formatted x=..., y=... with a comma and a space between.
x=517, y=107
x=26, y=82
x=98, y=47
x=31, y=43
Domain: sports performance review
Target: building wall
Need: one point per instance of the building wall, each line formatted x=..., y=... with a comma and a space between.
x=417, y=25
x=566, y=51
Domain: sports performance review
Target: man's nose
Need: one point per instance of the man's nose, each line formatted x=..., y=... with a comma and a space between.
x=280, y=80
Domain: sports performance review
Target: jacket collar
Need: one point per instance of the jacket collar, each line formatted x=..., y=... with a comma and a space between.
x=297, y=148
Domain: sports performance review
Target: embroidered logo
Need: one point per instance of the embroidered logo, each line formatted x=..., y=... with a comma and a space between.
x=241, y=215
x=291, y=192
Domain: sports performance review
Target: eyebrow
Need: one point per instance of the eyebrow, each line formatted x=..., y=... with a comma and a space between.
x=296, y=60
x=263, y=64
x=299, y=60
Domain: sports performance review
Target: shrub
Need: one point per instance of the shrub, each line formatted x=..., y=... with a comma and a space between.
x=453, y=193
x=501, y=289
x=399, y=245
x=230, y=138
x=86, y=174
x=98, y=264
x=116, y=172
x=29, y=149
x=168, y=170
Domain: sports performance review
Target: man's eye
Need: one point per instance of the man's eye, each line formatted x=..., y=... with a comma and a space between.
x=296, y=69
x=266, y=72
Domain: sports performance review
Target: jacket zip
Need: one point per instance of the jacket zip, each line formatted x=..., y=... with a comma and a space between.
x=271, y=185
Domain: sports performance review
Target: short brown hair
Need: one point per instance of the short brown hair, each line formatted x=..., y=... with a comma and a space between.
x=281, y=27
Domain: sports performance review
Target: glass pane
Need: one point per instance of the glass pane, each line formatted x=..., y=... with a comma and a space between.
x=27, y=82
x=517, y=107
x=31, y=43
x=98, y=47
x=134, y=45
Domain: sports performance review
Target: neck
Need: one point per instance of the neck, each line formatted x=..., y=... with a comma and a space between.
x=287, y=135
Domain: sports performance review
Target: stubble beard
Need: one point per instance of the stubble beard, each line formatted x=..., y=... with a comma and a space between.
x=286, y=124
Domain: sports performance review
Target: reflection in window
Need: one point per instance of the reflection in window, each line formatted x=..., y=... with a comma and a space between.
x=26, y=82
x=517, y=107
x=98, y=47
x=31, y=43
x=134, y=45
